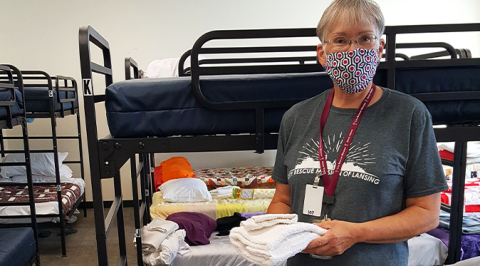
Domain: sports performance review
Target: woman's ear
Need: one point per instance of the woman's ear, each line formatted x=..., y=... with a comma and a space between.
x=381, y=48
x=321, y=55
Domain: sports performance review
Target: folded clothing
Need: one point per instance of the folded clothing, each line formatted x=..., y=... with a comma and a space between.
x=198, y=226
x=223, y=191
x=174, y=244
x=267, y=220
x=225, y=224
x=275, y=244
x=470, y=223
x=249, y=215
x=155, y=232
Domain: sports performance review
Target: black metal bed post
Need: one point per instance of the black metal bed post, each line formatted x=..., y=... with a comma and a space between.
x=136, y=209
x=80, y=146
x=74, y=111
x=26, y=148
x=53, y=127
x=122, y=245
x=457, y=206
x=87, y=35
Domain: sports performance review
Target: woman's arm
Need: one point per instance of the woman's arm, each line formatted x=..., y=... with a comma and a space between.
x=281, y=200
x=420, y=215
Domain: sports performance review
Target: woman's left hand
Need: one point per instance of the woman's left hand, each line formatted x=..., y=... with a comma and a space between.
x=339, y=237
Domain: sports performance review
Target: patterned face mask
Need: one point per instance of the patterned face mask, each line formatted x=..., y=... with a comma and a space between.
x=352, y=70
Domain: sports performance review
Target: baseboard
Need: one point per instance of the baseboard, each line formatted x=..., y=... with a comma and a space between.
x=106, y=204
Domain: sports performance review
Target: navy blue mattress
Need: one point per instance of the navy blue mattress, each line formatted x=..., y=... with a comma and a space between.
x=166, y=107
x=17, y=246
x=16, y=109
x=37, y=100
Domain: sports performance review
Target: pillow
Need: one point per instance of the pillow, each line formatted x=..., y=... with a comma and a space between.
x=41, y=163
x=176, y=167
x=65, y=175
x=185, y=190
x=5, y=180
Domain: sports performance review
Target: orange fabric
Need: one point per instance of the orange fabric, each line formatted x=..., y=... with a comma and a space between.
x=157, y=177
x=175, y=168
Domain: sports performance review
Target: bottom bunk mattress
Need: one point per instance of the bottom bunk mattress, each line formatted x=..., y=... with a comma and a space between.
x=423, y=250
x=17, y=246
x=45, y=200
x=219, y=207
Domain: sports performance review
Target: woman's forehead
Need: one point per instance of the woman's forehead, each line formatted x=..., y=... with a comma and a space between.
x=347, y=27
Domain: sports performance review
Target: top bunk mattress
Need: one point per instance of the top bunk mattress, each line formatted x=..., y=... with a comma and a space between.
x=166, y=107
x=16, y=109
x=37, y=100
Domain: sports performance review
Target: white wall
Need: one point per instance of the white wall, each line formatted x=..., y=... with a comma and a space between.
x=44, y=35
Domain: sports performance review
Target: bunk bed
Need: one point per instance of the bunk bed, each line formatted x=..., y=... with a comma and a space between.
x=236, y=113
x=50, y=99
x=18, y=246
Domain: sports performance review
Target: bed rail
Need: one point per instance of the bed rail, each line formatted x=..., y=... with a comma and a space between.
x=129, y=64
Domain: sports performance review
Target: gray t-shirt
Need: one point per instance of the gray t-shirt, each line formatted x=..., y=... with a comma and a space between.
x=393, y=156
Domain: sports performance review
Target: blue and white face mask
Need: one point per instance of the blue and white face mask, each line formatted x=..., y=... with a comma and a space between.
x=352, y=71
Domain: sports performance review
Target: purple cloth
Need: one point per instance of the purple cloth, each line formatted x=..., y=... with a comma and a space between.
x=249, y=215
x=198, y=226
x=470, y=243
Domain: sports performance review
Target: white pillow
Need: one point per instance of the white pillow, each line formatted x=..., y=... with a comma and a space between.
x=65, y=175
x=41, y=163
x=185, y=190
x=5, y=180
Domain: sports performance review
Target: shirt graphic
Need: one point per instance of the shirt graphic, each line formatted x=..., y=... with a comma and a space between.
x=357, y=156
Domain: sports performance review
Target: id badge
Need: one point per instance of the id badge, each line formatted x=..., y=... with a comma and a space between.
x=312, y=204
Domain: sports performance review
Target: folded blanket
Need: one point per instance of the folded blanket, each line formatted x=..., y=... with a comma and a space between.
x=267, y=220
x=174, y=244
x=155, y=232
x=275, y=244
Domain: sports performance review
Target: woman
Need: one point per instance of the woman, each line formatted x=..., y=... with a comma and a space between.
x=359, y=157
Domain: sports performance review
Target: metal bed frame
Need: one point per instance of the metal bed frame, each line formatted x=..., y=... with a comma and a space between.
x=112, y=153
x=13, y=79
x=60, y=84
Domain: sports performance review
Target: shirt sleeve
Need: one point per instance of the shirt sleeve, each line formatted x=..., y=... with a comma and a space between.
x=280, y=169
x=424, y=173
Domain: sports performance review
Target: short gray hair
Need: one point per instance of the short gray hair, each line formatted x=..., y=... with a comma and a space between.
x=354, y=12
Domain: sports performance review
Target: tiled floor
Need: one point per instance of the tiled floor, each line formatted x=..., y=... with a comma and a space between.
x=82, y=246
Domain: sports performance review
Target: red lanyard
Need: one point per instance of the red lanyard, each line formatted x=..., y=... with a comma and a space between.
x=331, y=183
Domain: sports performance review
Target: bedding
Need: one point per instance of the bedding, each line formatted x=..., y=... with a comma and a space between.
x=472, y=194
x=167, y=107
x=38, y=100
x=217, y=208
x=243, y=177
x=16, y=108
x=221, y=252
x=185, y=190
x=45, y=199
x=41, y=164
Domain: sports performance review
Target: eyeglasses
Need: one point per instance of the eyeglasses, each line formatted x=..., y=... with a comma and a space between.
x=366, y=41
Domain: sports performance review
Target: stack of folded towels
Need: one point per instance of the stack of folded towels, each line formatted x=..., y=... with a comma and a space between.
x=271, y=239
x=161, y=241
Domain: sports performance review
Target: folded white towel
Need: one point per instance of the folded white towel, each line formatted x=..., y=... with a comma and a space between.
x=267, y=220
x=155, y=232
x=174, y=244
x=161, y=225
x=275, y=244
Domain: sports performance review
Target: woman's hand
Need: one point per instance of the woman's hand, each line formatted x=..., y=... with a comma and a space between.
x=339, y=237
